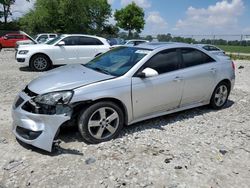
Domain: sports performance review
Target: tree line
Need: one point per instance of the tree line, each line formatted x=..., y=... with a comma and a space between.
x=169, y=38
x=78, y=16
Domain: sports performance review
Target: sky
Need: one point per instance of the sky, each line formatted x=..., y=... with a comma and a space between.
x=182, y=17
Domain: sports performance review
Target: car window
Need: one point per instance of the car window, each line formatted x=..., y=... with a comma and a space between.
x=139, y=42
x=130, y=42
x=206, y=48
x=55, y=40
x=193, y=57
x=89, y=41
x=52, y=36
x=165, y=61
x=213, y=48
x=14, y=36
x=42, y=38
x=71, y=41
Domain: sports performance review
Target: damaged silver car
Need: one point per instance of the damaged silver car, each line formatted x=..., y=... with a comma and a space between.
x=121, y=87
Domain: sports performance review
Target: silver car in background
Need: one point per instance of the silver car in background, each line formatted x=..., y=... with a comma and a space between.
x=212, y=49
x=120, y=87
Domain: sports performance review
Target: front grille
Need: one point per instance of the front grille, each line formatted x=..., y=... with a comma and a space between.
x=19, y=102
x=29, y=92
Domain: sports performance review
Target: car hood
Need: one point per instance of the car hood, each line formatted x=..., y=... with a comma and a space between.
x=34, y=47
x=66, y=78
x=22, y=32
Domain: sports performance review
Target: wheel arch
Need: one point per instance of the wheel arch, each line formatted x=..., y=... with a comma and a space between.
x=85, y=104
x=227, y=81
x=40, y=53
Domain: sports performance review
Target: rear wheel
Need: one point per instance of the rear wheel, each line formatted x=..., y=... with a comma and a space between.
x=220, y=95
x=101, y=122
x=40, y=62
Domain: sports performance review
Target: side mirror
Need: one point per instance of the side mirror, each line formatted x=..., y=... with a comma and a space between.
x=61, y=43
x=147, y=72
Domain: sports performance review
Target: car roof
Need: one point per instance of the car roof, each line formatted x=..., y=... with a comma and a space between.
x=14, y=34
x=156, y=45
x=47, y=34
x=204, y=45
x=67, y=35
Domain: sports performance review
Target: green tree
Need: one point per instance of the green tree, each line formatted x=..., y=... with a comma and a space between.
x=99, y=12
x=5, y=10
x=164, y=38
x=130, y=18
x=67, y=16
x=149, y=38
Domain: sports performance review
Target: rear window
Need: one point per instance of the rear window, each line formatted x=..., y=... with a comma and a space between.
x=89, y=41
x=192, y=57
x=52, y=36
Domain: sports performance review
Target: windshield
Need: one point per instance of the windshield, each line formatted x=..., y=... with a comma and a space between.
x=55, y=40
x=118, y=61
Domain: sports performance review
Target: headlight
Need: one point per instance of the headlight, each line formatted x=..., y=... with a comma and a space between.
x=54, y=98
x=23, y=52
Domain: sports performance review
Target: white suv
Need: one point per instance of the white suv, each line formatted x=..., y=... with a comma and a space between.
x=65, y=49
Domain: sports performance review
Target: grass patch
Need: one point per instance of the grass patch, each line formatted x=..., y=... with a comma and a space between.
x=239, y=57
x=235, y=49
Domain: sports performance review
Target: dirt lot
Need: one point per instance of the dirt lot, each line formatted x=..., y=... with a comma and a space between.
x=196, y=148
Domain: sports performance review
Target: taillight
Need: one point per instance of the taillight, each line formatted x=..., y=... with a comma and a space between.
x=233, y=65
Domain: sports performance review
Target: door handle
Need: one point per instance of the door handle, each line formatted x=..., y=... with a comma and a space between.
x=178, y=79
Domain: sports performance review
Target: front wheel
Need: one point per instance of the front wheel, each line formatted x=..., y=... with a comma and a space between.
x=101, y=122
x=40, y=62
x=220, y=96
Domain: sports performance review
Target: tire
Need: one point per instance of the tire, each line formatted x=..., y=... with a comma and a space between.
x=100, y=122
x=220, y=96
x=40, y=63
x=1, y=47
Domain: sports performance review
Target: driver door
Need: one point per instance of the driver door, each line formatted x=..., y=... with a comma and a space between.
x=159, y=93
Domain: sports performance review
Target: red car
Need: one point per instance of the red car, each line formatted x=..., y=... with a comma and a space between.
x=9, y=40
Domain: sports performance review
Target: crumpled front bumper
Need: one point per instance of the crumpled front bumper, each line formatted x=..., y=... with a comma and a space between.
x=38, y=130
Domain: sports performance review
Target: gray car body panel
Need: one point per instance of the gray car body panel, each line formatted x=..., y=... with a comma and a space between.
x=66, y=78
x=48, y=124
x=141, y=98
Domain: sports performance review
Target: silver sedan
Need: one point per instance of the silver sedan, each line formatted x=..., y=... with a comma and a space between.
x=121, y=87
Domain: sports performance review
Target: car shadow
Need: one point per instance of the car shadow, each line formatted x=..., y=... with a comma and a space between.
x=57, y=149
x=71, y=134
x=25, y=69
x=28, y=69
x=167, y=120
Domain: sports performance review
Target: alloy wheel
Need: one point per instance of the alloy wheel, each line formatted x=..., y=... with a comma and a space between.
x=40, y=63
x=103, y=123
x=221, y=94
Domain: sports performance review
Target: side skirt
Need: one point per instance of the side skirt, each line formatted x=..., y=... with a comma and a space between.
x=168, y=112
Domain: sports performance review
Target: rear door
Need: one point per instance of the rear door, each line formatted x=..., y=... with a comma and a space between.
x=159, y=93
x=66, y=54
x=199, y=73
x=10, y=41
x=88, y=48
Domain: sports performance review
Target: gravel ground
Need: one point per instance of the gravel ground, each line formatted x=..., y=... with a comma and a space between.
x=195, y=148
